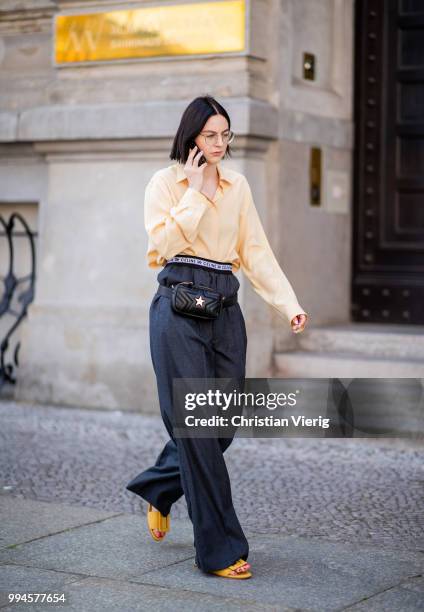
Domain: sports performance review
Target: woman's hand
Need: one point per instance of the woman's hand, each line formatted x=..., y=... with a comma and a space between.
x=192, y=169
x=298, y=323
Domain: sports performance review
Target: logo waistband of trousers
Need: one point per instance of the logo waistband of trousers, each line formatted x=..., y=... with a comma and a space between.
x=208, y=263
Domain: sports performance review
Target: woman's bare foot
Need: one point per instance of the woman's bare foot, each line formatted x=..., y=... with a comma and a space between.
x=242, y=568
x=158, y=534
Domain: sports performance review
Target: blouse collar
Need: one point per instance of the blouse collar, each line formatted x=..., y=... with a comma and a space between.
x=222, y=172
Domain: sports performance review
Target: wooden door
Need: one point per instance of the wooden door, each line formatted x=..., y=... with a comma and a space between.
x=388, y=219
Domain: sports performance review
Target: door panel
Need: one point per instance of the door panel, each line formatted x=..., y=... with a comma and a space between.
x=388, y=227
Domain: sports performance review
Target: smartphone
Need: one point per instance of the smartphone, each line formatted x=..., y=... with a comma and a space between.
x=202, y=157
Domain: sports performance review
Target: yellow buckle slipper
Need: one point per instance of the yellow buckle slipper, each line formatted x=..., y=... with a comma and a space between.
x=156, y=520
x=226, y=572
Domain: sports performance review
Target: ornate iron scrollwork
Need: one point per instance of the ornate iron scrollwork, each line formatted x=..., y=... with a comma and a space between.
x=11, y=286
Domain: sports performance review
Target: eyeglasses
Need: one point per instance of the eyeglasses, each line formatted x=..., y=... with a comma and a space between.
x=212, y=138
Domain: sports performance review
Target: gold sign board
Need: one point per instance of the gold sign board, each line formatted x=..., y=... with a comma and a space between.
x=174, y=29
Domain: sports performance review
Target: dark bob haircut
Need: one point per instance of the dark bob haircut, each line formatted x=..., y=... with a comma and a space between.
x=192, y=122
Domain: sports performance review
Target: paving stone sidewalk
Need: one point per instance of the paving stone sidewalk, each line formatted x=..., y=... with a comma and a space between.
x=332, y=524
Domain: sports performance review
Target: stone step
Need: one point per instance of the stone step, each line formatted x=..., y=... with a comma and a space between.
x=337, y=364
x=396, y=342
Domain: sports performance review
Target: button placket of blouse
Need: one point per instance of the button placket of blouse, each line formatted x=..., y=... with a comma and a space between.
x=218, y=194
x=216, y=198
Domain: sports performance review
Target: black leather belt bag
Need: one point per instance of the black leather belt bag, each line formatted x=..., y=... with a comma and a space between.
x=196, y=300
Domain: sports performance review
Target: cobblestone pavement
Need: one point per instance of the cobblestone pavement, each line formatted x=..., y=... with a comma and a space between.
x=362, y=490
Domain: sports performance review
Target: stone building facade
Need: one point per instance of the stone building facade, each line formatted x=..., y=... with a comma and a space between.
x=78, y=144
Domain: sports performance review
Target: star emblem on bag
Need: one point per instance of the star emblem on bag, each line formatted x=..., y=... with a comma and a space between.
x=199, y=301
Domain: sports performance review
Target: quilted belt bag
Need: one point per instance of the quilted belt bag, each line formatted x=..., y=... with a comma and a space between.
x=196, y=300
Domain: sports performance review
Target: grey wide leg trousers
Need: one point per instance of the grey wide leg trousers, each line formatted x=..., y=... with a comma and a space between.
x=181, y=347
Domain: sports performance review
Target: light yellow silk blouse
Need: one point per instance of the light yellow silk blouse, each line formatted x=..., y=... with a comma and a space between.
x=180, y=219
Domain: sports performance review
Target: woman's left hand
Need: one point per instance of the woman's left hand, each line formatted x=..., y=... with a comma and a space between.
x=298, y=323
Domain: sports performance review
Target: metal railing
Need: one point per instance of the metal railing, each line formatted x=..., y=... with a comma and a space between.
x=9, y=360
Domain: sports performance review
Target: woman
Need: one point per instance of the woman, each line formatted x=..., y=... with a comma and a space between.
x=202, y=225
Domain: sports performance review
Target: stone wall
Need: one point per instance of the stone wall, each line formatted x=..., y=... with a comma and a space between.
x=86, y=139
